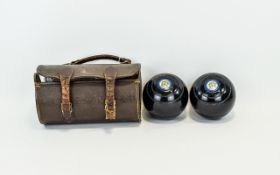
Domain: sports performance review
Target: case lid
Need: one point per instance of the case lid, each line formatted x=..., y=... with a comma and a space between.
x=89, y=70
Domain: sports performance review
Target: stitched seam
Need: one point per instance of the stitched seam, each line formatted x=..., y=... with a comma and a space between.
x=38, y=107
x=137, y=102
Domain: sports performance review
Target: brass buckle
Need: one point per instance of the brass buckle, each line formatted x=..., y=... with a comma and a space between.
x=110, y=109
x=69, y=105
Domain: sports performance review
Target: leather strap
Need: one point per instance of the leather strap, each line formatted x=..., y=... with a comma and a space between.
x=66, y=105
x=110, y=102
x=101, y=57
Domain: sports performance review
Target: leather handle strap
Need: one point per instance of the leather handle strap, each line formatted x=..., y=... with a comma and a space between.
x=110, y=102
x=101, y=57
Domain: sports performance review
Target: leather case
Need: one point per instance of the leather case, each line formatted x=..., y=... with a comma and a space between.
x=89, y=93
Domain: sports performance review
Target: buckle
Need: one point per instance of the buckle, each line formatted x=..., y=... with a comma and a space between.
x=67, y=105
x=110, y=108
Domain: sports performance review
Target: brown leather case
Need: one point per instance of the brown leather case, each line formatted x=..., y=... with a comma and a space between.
x=89, y=93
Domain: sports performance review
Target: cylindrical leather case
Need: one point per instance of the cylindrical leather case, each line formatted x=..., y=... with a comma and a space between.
x=89, y=93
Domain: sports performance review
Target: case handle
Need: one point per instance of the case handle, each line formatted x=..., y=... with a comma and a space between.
x=101, y=57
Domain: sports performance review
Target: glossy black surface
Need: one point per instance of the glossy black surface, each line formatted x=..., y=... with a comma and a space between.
x=165, y=96
x=213, y=96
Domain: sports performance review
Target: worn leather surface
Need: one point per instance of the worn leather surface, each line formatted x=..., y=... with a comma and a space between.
x=89, y=70
x=66, y=104
x=87, y=93
x=110, y=101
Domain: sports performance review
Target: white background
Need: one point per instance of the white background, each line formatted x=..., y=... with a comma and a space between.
x=239, y=38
